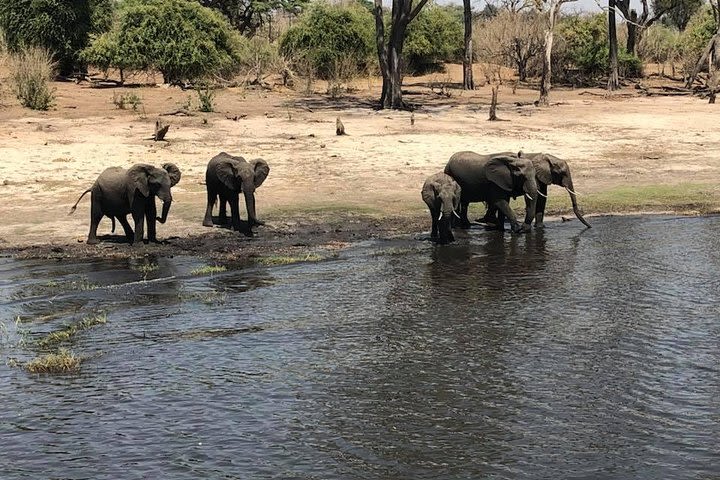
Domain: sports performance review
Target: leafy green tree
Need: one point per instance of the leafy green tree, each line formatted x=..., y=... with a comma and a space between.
x=329, y=34
x=61, y=26
x=249, y=15
x=679, y=16
x=179, y=38
x=434, y=37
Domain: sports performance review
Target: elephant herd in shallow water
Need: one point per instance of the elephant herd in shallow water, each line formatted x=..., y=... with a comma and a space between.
x=468, y=177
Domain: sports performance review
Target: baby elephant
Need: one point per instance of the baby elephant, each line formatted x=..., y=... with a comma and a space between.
x=118, y=192
x=442, y=195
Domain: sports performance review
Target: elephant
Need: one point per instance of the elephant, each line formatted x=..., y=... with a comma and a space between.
x=549, y=169
x=118, y=192
x=494, y=179
x=226, y=176
x=441, y=194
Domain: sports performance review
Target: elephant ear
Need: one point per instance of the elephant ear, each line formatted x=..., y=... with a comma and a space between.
x=262, y=170
x=173, y=173
x=543, y=168
x=226, y=172
x=138, y=181
x=498, y=172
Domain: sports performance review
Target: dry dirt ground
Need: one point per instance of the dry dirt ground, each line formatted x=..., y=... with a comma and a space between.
x=327, y=190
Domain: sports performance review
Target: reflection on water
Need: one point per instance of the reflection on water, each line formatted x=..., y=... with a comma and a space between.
x=565, y=353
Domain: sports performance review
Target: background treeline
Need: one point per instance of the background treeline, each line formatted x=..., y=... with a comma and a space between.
x=188, y=41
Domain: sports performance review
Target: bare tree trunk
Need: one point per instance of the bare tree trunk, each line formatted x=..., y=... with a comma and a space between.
x=468, y=82
x=632, y=33
x=703, y=58
x=613, y=80
x=545, y=83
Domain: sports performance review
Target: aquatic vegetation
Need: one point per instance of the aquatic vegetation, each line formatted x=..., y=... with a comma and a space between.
x=69, y=331
x=146, y=269
x=63, y=361
x=208, y=270
x=276, y=260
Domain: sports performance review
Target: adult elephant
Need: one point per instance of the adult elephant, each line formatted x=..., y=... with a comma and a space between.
x=494, y=179
x=442, y=196
x=549, y=169
x=118, y=192
x=226, y=176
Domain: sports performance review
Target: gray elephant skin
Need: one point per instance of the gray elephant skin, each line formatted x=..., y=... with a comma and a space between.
x=441, y=194
x=549, y=169
x=118, y=192
x=495, y=179
x=225, y=178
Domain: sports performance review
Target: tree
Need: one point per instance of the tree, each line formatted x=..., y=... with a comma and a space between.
x=552, y=11
x=710, y=52
x=390, y=50
x=637, y=24
x=180, y=39
x=613, y=80
x=61, y=26
x=250, y=15
x=468, y=81
x=679, y=16
x=432, y=38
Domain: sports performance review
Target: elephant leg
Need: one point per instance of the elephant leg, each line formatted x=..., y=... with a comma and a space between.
x=150, y=219
x=540, y=209
x=96, y=215
x=222, y=216
x=234, y=212
x=433, y=217
x=490, y=216
x=126, y=228
x=464, y=222
x=503, y=206
x=139, y=218
x=211, y=198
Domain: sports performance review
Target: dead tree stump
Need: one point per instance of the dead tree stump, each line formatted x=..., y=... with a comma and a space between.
x=161, y=130
x=412, y=119
x=493, y=105
x=339, y=127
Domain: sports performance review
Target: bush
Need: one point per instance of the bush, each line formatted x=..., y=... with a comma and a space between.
x=30, y=72
x=700, y=29
x=659, y=44
x=259, y=58
x=60, y=26
x=181, y=39
x=434, y=37
x=327, y=34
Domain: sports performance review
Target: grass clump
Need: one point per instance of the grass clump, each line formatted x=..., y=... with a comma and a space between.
x=208, y=270
x=63, y=361
x=277, y=260
x=30, y=73
x=71, y=330
x=124, y=100
x=206, y=99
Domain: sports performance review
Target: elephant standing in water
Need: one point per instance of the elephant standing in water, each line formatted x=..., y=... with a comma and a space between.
x=494, y=179
x=226, y=176
x=118, y=192
x=549, y=169
x=442, y=196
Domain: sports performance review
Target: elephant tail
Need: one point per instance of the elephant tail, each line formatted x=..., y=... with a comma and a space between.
x=72, y=210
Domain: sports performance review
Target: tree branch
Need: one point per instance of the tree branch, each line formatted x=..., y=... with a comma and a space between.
x=416, y=10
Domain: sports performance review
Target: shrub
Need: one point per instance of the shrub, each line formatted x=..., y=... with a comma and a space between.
x=659, y=44
x=179, y=38
x=259, y=58
x=124, y=99
x=60, y=26
x=30, y=72
x=206, y=98
x=700, y=29
x=434, y=37
x=326, y=34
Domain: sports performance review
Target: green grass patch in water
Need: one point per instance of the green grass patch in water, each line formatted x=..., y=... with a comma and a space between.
x=69, y=331
x=208, y=270
x=62, y=361
x=277, y=260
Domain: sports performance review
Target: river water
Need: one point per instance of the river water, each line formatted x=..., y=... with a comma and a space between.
x=566, y=353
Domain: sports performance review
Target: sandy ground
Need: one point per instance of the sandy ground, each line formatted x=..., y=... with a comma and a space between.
x=319, y=181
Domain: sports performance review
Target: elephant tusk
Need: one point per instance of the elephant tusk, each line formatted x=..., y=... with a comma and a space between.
x=529, y=197
x=456, y=214
x=570, y=191
x=542, y=194
x=440, y=217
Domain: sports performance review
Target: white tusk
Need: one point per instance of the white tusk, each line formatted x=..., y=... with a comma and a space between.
x=456, y=214
x=542, y=194
x=529, y=197
x=574, y=193
x=440, y=217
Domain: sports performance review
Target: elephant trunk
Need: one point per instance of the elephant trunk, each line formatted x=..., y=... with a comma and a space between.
x=165, y=211
x=250, y=204
x=573, y=199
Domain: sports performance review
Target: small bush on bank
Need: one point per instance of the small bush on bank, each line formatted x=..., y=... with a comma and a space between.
x=433, y=38
x=30, y=73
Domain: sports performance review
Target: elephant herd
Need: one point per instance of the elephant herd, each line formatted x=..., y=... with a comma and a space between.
x=118, y=192
x=469, y=177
